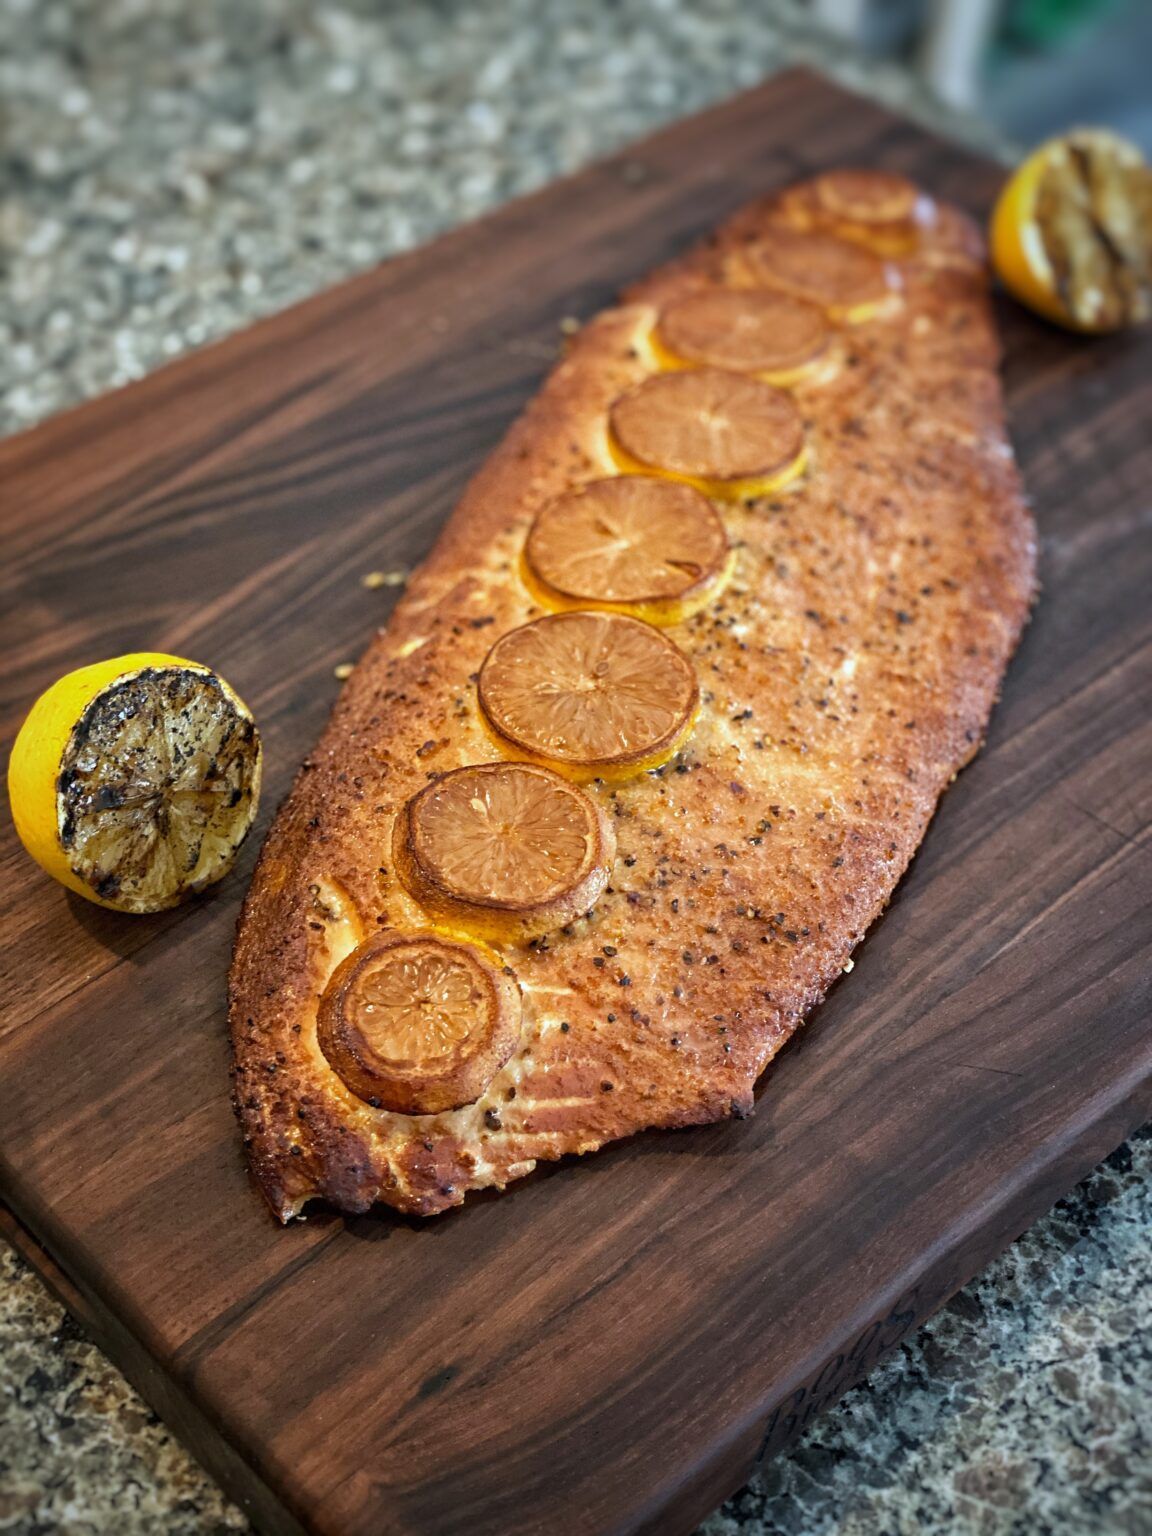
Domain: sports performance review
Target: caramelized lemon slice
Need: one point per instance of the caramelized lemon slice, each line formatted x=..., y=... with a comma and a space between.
x=649, y=547
x=418, y=1024
x=729, y=435
x=851, y=284
x=593, y=694
x=773, y=335
x=504, y=849
x=879, y=209
x=134, y=781
x=867, y=197
x=1071, y=232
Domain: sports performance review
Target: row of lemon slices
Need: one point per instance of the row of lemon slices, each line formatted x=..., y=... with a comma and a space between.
x=506, y=851
x=134, y=781
x=595, y=690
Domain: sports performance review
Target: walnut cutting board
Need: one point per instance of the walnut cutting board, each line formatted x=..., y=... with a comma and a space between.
x=609, y=1346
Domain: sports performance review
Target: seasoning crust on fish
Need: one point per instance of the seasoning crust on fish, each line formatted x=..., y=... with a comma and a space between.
x=780, y=460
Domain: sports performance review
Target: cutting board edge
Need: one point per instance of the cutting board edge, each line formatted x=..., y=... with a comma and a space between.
x=878, y=1329
x=203, y=1439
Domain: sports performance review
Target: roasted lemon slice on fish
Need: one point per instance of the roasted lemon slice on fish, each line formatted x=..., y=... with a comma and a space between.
x=872, y=198
x=850, y=283
x=590, y=694
x=1071, y=233
x=134, y=781
x=879, y=209
x=651, y=548
x=507, y=850
x=731, y=436
x=776, y=337
x=418, y=1023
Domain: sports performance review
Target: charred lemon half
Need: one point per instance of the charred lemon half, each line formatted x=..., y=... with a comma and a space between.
x=508, y=850
x=134, y=781
x=1071, y=233
x=418, y=1023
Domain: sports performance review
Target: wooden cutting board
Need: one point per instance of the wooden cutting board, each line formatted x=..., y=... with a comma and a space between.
x=609, y=1346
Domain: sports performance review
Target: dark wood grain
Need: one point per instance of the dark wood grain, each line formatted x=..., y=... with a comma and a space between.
x=610, y=1346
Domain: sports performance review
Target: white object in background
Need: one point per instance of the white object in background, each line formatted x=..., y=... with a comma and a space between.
x=953, y=48
x=844, y=17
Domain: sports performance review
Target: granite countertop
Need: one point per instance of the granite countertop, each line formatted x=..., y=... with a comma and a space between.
x=169, y=172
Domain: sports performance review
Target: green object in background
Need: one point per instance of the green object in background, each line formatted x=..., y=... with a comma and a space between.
x=1041, y=24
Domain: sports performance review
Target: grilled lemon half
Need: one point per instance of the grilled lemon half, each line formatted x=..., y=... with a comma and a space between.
x=1071, y=233
x=134, y=781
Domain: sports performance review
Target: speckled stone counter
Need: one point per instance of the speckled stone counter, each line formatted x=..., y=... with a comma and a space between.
x=170, y=171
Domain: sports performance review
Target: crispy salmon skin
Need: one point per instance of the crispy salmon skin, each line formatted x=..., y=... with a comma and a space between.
x=846, y=673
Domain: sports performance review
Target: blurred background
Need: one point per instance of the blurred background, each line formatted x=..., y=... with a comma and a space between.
x=1031, y=67
x=173, y=169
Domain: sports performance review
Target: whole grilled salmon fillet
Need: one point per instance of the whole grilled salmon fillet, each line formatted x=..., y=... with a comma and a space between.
x=846, y=673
